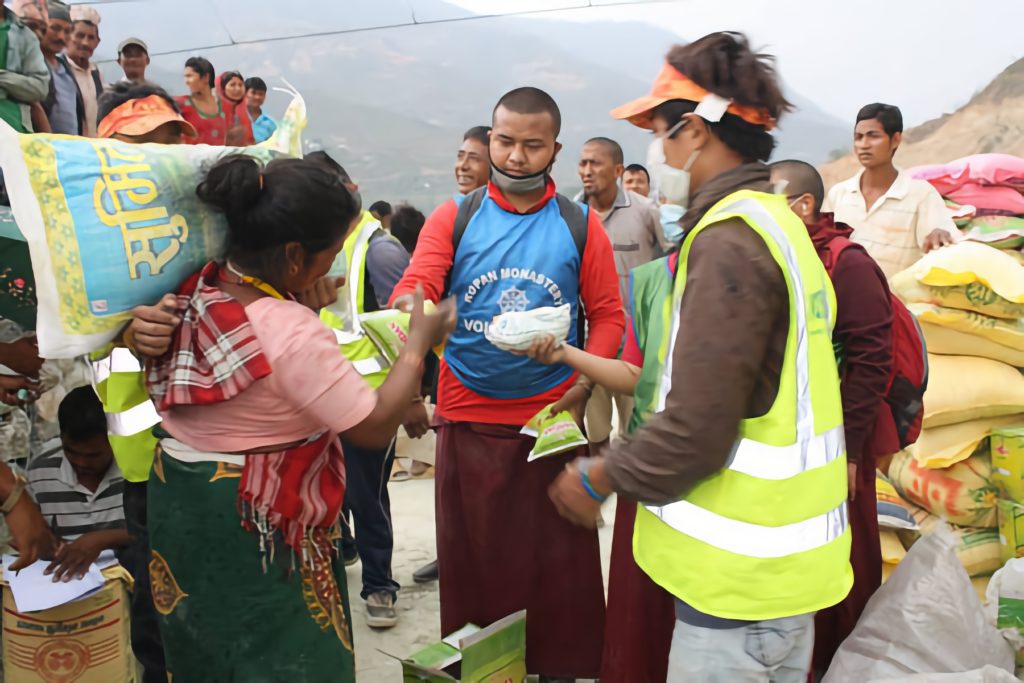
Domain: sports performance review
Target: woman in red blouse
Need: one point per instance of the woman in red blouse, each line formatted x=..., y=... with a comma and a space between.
x=201, y=108
x=231, y=91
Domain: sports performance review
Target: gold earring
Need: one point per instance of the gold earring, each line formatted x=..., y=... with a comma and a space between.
x=294, y=270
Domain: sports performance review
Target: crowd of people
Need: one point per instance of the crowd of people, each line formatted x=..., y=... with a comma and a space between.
x=51, y=85
x=711, y=294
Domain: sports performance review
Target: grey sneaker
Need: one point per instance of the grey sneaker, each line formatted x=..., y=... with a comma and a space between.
x=380, y=610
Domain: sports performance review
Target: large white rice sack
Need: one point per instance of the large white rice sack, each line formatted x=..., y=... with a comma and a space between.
x=112, y=225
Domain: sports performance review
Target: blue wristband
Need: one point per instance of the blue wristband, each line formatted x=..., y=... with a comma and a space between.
x=589, y=488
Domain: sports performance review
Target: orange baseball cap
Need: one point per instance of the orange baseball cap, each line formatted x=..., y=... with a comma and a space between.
x=673, y=85
x=141, y=116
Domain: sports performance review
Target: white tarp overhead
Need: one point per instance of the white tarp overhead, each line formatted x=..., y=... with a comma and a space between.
x=191, y=25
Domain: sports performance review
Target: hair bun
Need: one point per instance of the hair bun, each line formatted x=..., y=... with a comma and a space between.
x=233, y=186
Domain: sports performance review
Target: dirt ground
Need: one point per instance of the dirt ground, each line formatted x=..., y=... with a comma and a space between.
x=412, y=509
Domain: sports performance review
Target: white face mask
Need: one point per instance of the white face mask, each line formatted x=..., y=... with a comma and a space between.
x=674, y=183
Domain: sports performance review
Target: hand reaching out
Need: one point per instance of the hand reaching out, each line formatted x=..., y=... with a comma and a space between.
x=545, y=350
x=936, y=239
x=12, y=385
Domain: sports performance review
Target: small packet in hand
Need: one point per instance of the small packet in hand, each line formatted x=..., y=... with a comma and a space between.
x=389, y=330
x=555, y=434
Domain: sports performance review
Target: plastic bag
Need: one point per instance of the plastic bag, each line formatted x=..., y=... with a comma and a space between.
x=555, y=433
x=926, y=619
x=986, y=674
x=111, y=225
x=1005, y=605
x=516, y=330
x=977, y=549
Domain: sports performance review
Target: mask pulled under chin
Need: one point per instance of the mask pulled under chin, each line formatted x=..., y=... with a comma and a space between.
x=519, y=184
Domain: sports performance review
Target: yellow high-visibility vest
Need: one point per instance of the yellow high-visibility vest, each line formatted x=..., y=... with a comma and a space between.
x=767, y=536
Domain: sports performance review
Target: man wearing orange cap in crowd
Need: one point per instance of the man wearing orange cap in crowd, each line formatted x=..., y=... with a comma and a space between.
x=136, y=113
x=141, y=112
x=739, y=467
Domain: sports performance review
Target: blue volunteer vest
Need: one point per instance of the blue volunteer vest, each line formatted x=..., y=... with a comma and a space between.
x=510, y=262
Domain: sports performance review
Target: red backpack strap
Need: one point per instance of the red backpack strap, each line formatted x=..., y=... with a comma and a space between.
x=835, y=247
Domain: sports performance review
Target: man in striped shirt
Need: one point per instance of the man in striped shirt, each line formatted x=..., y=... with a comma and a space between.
x=79, y=487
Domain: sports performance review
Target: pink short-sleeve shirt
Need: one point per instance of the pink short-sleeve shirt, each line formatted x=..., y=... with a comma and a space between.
x=311, y=388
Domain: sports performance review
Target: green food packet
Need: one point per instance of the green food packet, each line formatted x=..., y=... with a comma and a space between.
x=389, y=330
x=533, y=427
x=555, y=434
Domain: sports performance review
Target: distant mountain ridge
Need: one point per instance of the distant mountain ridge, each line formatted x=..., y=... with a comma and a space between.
x=392, y=103
x=992, y=121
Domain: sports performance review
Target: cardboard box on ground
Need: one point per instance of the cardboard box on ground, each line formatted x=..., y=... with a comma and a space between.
x=496, y=654
x=85, y=641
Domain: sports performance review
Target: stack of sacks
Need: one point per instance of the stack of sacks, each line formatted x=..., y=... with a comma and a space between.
x=984, y=192
x=961, y=497
x=969, y=299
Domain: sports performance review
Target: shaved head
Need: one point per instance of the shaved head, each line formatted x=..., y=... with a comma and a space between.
x=532, y=101
x=800, y=178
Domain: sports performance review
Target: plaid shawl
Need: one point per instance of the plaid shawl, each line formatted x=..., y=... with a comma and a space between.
x=215, y=355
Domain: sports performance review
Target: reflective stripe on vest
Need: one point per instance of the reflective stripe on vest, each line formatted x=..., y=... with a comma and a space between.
x=753, y=540
x=782, y=462
x=767, y=536
x=134, y=420
x=129, y=421
x=356, y=346
x=119, y=382
x=810, y=450
x=119, y=360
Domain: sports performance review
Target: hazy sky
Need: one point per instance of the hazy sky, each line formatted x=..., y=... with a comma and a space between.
x=928, y=57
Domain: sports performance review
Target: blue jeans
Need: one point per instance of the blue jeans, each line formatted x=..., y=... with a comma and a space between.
x=774, y=651
x=366, y=496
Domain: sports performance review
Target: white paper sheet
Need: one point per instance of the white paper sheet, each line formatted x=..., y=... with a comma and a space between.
x=34, y=591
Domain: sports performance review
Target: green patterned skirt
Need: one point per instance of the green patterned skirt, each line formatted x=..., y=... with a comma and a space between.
x=231, y=611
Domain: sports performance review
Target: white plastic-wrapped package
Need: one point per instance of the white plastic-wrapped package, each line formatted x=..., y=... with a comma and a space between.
x=515, y=331
x=1004, y=605
x=111, y=225
x=926, y=619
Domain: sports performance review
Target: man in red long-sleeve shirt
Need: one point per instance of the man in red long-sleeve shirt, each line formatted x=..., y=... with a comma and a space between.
x=501, y=544
x=863, y=334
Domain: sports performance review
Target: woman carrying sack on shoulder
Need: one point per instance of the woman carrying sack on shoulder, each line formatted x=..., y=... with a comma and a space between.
x=249, y=476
